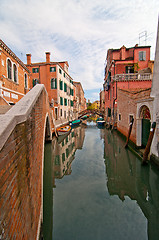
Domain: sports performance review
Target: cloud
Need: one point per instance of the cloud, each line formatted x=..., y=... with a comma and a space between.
x=79, y=31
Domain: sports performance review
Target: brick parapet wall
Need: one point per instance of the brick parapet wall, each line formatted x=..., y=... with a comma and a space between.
x=21, y=166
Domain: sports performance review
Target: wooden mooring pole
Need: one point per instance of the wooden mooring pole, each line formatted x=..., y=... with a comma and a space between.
x=148, y=145
x=129, y=132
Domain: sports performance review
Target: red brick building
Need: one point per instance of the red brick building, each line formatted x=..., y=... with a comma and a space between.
x=124, y=70
x=80, y=95
x=14, y=76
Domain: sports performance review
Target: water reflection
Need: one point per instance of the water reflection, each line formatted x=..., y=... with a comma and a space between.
x=108, y=194
x=64, y=151
x=127, y=178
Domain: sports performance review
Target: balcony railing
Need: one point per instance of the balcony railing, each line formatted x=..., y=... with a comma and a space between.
x=132, y=77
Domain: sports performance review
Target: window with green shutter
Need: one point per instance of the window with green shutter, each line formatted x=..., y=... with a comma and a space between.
x=63, y=157
x=65, y=87
x=35, y=81
x=53, y=83
x=109, y=112
x=65, y=102
x=61, y=85
x=67, y=152
x=35, y=70
x=61, y=101
x=52, y=69
x=64, y=74
x=71, y=103
x=60, y=71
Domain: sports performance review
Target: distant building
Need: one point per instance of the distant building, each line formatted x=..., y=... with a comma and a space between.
x=80, y=95
x=58, y=83
x=14, y=76
x=95, y=105
x=126, y=68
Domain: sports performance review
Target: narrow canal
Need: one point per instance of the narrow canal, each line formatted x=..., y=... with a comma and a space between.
x=95, y=189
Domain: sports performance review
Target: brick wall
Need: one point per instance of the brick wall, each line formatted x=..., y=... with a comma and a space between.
x=127, y=105
x=21, y=171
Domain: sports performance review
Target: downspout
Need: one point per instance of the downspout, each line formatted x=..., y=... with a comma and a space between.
x=116, y=90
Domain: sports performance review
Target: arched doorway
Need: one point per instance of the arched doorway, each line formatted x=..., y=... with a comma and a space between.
x=146, y=124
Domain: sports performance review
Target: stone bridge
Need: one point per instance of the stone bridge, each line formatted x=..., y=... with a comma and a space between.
x=91, y=111
x=23, y=131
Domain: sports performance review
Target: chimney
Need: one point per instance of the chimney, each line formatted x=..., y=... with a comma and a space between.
x=47, y=57
x=123, y=50
x=28, y=59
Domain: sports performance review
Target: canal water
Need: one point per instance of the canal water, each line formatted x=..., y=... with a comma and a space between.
x=95, y=189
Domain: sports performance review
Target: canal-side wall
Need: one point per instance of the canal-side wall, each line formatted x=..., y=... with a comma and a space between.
x=22, y=135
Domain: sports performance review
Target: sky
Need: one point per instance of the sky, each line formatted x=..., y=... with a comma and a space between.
x=78, y=31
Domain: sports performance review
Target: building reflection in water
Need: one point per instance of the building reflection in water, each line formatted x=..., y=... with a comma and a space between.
x=64, y=152
x=57, y=163
x=126, y=177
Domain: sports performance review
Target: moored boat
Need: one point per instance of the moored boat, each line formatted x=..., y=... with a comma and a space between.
x=84, y=117
x=63, y=130
x=75, y=122
x=100, y=123
x=100, y=119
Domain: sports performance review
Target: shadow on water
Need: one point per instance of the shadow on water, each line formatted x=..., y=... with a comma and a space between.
x=101, y=191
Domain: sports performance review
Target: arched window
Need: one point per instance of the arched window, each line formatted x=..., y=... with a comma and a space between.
x=25, y=81
x=9, y=69
x=15, y=73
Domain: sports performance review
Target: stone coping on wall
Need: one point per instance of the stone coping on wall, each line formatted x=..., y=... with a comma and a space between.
x=18, y=113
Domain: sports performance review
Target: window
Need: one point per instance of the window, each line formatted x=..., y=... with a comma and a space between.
x=9, y=69
x=35, y=70
x=65, y=114
x=25, y=81
x=119, y=117
x=65, y=102
x=109, y=112
x=57, y=160
x=60, y=71
x=64, y=74
x=71, y=103
x=53, y=83
x=15, y=73
x=35, y=81
x=52, y=69
x=65, y=87
x=61, y=85
x=61, y=101
x=142, y=56
x=63, y=157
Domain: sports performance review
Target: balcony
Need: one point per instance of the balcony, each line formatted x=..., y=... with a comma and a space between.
x=132, y=77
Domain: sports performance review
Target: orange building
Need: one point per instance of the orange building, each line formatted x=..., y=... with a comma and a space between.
x=14, y=76
x=58, y=83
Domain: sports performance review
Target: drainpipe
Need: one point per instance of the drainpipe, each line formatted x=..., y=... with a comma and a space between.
x=116, y=89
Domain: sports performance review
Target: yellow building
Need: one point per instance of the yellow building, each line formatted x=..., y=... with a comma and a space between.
x=96, y=105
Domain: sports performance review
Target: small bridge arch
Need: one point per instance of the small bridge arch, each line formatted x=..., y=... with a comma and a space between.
x=91, y=111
